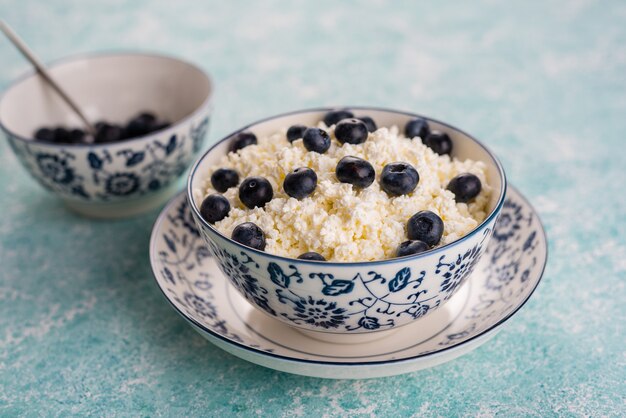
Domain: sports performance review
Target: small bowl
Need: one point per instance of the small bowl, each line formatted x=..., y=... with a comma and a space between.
x=349, y=302
x=113, y=179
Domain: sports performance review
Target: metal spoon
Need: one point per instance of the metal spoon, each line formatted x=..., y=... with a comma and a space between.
x=41, y=69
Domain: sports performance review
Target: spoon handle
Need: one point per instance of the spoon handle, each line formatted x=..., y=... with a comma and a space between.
x=39, y=66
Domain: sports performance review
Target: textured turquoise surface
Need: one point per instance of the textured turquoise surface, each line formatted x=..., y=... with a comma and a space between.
x=84, y=330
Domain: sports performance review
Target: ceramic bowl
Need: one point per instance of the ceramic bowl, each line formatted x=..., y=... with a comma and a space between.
x=356, y=300
x=114, y=179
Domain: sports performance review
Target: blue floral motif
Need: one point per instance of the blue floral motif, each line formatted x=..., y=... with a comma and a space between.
x=198, y=133
x=187, y=280
x=189, y=286
x=506, y=252
x=202, y=307
x=366, y=309
x=185, y=218
x=239, y=274
x=386, y=300
x=154, y=166
x=458, y=336
x=95, y=162
x=372, y=300
x=167, y=273
x=529, y=244
x=122, y=184
x=368, y=322
x=280, y=278
x=457, y=270
x=108, y=172
x=132, y=157
x=510, y=249
x=503, y=275
x=55, y=168
x=509, y=221
x=318, y=312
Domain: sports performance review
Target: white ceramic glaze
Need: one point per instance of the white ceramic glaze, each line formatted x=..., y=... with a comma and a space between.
x=350, y=298
x=500, y=285
x=117, y=179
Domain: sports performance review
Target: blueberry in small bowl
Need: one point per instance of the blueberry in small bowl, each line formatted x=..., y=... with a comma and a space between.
x=151, y=114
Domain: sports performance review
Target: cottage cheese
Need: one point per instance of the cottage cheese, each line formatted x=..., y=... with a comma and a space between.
x=339, y=221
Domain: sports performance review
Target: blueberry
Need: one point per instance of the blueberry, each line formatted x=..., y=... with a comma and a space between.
x=355, y=171
x=295, y=132
x=242, y=140
x=300, y=183
x=224, y=178
x=214, y=208
x=100, y=125
x=425, y=226
x=439, y=142
x=45, y=134
x=351, y=131
x=316, y=140
x=61, y=135
x=312, y=255
x=147, y=117
x=141, y=125
x=106, y=133
x=399, y=178
x=77, y=136
x=255, y=192
x=417, y=127
x=369, y=122
x=334, y=116
x=411, y=247
x=465, y=187
x=249, y=235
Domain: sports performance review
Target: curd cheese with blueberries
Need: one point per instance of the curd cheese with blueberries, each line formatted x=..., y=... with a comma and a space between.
x=345, y=190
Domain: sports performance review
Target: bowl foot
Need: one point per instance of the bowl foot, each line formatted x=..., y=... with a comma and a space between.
x=124, y=209
x=331, y=337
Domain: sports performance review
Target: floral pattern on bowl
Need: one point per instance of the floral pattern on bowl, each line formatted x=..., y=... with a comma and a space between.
x=348, y=299
x=503, y=280
x=110, y=172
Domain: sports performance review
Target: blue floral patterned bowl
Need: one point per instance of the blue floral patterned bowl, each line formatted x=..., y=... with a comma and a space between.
x=325, y=299
x=115, y=179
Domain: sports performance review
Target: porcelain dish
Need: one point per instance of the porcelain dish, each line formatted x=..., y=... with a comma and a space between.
x=350, y=301
x=112, y=179
x=502, y=282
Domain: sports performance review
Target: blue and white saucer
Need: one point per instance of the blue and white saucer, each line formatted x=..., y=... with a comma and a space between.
x=502, y=282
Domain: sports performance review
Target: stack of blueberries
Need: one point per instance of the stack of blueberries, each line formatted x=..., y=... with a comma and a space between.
x=424, y=229
x=143, y=124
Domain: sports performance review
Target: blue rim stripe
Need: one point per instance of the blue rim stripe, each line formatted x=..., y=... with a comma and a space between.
x=493, y=328
x=263, y=254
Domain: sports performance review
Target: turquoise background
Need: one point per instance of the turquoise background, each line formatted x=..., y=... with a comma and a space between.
x=84, y=330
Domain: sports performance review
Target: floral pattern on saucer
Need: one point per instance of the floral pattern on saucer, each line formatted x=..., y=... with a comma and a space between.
x=513, y=253
x=502, y=281
x=377, y=305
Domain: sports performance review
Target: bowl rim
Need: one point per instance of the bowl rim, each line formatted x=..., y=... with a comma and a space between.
x=208, y=101
x=492, y=214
